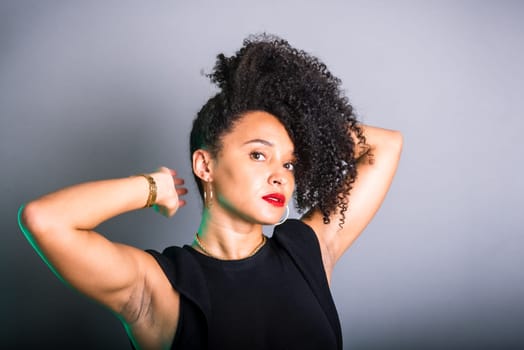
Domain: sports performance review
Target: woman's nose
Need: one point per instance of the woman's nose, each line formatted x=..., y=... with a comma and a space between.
x=278, y=178
x=277, y=181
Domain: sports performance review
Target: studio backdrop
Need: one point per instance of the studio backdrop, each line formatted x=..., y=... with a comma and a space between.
x=102, y=89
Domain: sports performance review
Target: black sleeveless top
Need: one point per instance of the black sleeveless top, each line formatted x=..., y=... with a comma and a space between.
x=277, y=299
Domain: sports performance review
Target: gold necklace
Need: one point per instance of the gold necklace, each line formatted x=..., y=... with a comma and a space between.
x=204, y=249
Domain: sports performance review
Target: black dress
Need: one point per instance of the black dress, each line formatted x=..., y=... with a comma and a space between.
x=277, y=299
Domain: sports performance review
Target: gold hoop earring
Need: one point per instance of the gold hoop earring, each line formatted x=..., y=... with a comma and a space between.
x=208, y=195
x=284, y=218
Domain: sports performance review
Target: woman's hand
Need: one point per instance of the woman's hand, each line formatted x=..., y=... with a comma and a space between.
x=169, y=190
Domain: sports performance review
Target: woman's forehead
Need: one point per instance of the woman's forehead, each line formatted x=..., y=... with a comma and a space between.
x=259, y=128
x=259, y=125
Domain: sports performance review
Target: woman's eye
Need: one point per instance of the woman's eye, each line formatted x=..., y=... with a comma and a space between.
x=257, y=156
x=289, y=166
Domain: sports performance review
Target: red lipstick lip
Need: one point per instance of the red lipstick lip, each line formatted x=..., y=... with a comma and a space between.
x=276, y=199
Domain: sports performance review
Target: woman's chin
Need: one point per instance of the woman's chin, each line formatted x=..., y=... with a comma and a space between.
x=272, y=221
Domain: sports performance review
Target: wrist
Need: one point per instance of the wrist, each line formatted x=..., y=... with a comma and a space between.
x=152, y=190
x=165, y=186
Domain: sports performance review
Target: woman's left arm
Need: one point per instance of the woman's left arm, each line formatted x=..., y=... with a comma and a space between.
x=375, y=171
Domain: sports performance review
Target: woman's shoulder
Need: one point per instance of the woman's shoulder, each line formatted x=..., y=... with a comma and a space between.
x=295, y=233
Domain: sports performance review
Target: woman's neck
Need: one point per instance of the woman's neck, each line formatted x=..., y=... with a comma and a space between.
x=227, y=238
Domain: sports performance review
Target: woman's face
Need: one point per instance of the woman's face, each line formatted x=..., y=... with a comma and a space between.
x=253, y=172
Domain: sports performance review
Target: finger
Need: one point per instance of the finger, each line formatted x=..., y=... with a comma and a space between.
x=181, y=191
x=169, y=213
x=179, y=181
x=174, y=210
x=163, y=169
x=181, y=203
x=167, y=170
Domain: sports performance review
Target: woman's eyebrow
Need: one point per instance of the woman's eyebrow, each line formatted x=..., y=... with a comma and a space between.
x=262, y=141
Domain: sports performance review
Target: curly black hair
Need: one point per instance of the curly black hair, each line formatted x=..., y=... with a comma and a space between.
x=267, y=74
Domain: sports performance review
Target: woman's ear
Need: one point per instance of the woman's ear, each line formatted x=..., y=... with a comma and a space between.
x=202, y=165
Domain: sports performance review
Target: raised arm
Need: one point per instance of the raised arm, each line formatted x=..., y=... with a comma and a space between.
x=60, y=226
x=375, y=171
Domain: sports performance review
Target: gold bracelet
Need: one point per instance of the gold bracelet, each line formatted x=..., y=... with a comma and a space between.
x=151, y=198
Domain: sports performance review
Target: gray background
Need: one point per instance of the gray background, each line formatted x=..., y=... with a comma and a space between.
x=108, y=89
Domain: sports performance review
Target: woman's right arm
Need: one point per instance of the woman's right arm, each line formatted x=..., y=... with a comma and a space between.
x=60, y=226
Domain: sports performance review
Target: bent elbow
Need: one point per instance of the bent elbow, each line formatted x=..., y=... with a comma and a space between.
x=397, y=141
x=31, y=219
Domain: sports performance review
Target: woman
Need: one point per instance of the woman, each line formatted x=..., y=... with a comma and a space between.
x=279, y=126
